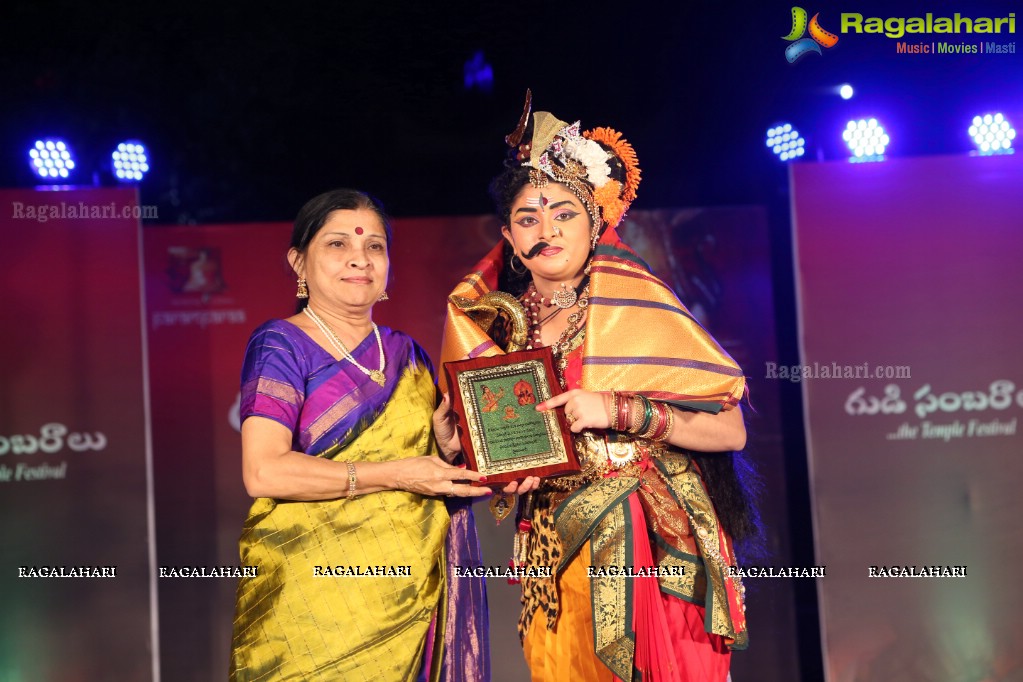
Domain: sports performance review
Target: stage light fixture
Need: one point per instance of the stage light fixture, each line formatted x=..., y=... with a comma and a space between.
x=845, y=91
x=51, y=159
x=478, y=73
x=785, y=142
x=131, y=162
x=992, y=133
x=866, y=140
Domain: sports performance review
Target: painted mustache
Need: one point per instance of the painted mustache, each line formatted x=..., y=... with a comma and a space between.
x=535, y=251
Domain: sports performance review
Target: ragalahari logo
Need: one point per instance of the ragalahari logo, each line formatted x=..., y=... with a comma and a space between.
x=818, y=36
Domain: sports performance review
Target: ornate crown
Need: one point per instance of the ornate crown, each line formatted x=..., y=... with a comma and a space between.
x=598, y=165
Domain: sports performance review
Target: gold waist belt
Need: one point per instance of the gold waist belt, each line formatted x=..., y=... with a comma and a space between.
x=598, y=456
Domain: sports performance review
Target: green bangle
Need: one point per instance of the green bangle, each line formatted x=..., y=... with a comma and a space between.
x=648, y=415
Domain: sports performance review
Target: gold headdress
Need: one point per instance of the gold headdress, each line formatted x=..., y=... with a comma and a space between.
x=597, y=165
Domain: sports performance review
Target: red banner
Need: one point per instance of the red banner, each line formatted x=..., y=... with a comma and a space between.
x=207, y=288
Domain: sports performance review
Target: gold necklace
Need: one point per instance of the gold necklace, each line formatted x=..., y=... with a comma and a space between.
x=376, y=375
x=561, y=346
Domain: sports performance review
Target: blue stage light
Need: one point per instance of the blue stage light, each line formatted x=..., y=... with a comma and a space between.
x=785, y=142
x=845, y=91
x=131, y=162
x=51, y=159
x=866, y=139
x=993, y=134
x=478, y=73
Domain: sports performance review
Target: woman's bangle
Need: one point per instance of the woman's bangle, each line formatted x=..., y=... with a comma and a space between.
x=655, y=421
x=636, y=414
x=351, y=479
x=662, y=425
x=670, y=414
x=648, y=417
x=623, y=412
x=640, y=416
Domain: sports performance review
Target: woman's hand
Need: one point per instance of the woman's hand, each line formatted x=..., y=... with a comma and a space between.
x=433, y=476
x=529, y=483
x=583, y=409
x=445, y=429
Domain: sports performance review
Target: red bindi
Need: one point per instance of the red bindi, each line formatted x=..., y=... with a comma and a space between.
x=359, y=230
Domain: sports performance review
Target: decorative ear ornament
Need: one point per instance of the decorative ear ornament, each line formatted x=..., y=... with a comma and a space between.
x=303, y=290
x=384, y=297
x=511, y=264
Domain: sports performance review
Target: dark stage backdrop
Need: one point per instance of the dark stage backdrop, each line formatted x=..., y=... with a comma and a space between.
x=910, y=270
x=73, y=440
x=209, y=287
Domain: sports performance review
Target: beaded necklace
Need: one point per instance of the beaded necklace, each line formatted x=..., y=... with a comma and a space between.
x=532, y=300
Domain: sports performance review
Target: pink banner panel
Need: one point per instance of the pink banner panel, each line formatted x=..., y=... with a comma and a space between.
x=909, y=285
x=75, y=570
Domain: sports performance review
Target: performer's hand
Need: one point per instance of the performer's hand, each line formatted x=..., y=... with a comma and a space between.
x=434, y=476
x=583, y=409
x=445, y=429
x=522, y=487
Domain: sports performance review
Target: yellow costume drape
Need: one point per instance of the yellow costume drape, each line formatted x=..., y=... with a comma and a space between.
x=639, y=337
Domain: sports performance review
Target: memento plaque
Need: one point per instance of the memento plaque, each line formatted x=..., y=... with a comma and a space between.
x=503, y=435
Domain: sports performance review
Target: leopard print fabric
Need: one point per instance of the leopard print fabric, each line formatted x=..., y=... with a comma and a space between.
x=543, y=548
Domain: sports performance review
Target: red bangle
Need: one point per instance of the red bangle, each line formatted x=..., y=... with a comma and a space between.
x=669, y=423
x=662, y=422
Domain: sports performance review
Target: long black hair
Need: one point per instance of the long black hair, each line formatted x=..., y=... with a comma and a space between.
x=503, y=190
x=735, y=489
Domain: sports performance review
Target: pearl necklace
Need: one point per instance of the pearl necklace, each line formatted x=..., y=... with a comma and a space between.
x=376, y=375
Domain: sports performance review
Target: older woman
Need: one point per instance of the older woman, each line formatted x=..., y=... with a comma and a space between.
x=340, y=446
x=647, y=391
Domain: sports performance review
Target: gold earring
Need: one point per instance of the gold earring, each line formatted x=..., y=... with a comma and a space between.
x=384, y=297
x=303, y=290
x=511, y=265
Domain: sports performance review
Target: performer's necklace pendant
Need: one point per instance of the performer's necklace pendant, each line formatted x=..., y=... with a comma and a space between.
x=564, y=298
x=377, y=376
